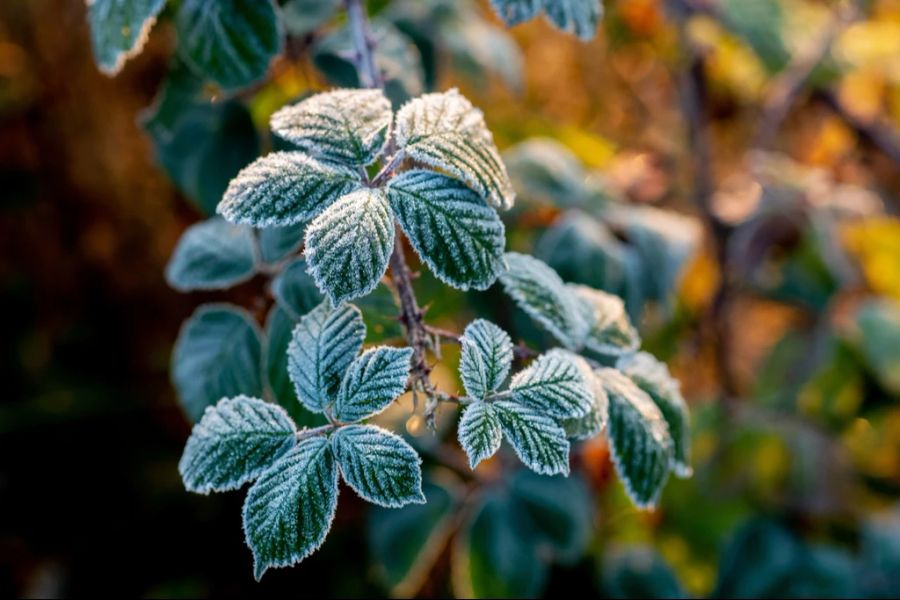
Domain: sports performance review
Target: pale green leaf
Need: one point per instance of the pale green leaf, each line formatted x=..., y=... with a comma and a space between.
x=479, y=432
x=652, y=376
x=539, y=442
x=487, y=354
x=289, y=510
x=212, y=255
x=610, y=331
x=284, y=188
x=229, y=41
x=379, y=465
x=119, y=29
x=639, y=438
x=217, y=355
x=323, y=345
x=234, y=442
x=372, y=382
x=445, y=131
x=349, y=245
x=452, y=229
x=554, y=385
x=346, y=127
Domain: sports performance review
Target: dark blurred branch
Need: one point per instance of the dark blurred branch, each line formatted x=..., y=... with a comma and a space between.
x=364, y=43
x=880, y=134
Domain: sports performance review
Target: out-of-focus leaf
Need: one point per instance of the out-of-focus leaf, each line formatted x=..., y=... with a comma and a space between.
x=295, y=291
x=880, y=556
x=119, y=29
x=759, y=23
x=212, y=255
x=302, y=17
x=543, y=170
x=878, y=322
x=757, y=561
x=638, y=572
x=276, y=243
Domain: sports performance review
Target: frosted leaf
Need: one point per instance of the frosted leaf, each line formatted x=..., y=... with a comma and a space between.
x=445, y=131
x=119, y=29
x=514, y=12
x=578, y=17
x=372, y=382
x=652, y=376
x=211, y=255
x=284, y=188
x=639, y=438
x=479, y=432
x=554, y=385
x=538, y=441
x=487, y=353
x=218, y=354
x=349, y=245
x=228, y=41
x=452, y=229
x=593, y=423
x=380, y=466
x=289, y=510
x=347, y=127
x=234, y=442
x=539, y=291
x=322, y=346
x=611, y=332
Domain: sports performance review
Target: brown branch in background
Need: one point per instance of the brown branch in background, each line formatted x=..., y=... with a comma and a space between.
x=880, y=134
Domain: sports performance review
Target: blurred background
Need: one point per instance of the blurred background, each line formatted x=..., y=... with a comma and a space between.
x=728, y=167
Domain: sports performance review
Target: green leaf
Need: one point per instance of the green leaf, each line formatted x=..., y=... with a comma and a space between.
x=878, y=324
x=405, y=543
x=279, y=325
x=289, y=509
x=302, y=17
x=554, y=385
x=445, y=131
x=452, y=229
x=284, y=188
x=380, y=466
x=276, y=243
x=372, y=382
x=119, y=30
x=545, y=171
x=345, y=127
x=559, y=509
x=229, y=41
x=578, y=17
x=487, y=354
x=212, y=255
x=181, y=90
x=653, y=377
x=234, y=442
x=638, y=573
x=514, y=12
x=479, y=432
x=538, y=441
x=323, y=345
x=495, y=557
x=640, y=443
x=295, y=291
x=538, y=290
x=610, y=331
x=594, y=422
x=760, y=24
x=217, y=355
x=481, y=51
x=349, y=245
x=758, y=561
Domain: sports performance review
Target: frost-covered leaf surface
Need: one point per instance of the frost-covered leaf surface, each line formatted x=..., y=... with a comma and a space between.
x=594, y=422
x=295, y=291
x=554, y=385
x=234, y=442
x=218, y=354
x=372, y=382
x=578, y=17
x=653, y=377
x=487, y=354
x=211, y=255
x=347, y=127
x=289, y=510
x=452, y=229
x=639, y=438
x=279, y=325
x=349, y=245
x=380, y=466
x=275, y=243
x=323, y=345
x=284, y=188
x=514, y=12
x=538, y=290
x=119, y=29
x=229, y=41
x=538, y=441
x=479, y=432
x=444, y=130
x=610, y=330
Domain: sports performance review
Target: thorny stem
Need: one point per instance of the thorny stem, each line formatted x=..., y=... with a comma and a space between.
x=364, y=43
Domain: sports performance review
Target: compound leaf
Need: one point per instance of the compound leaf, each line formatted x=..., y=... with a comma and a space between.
x=372, y=382
x=348, y=246
x=234, y=442
x=211, y=255
x=554, y=385
x=444, y=130
x=289, y=510
x=487, y=354
x=538, y=441
x=379, y=465
x=119, y=30
x=347, y=127
x=479, y=432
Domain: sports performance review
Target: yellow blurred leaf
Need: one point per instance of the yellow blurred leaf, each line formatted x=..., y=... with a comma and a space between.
x=875, y=244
